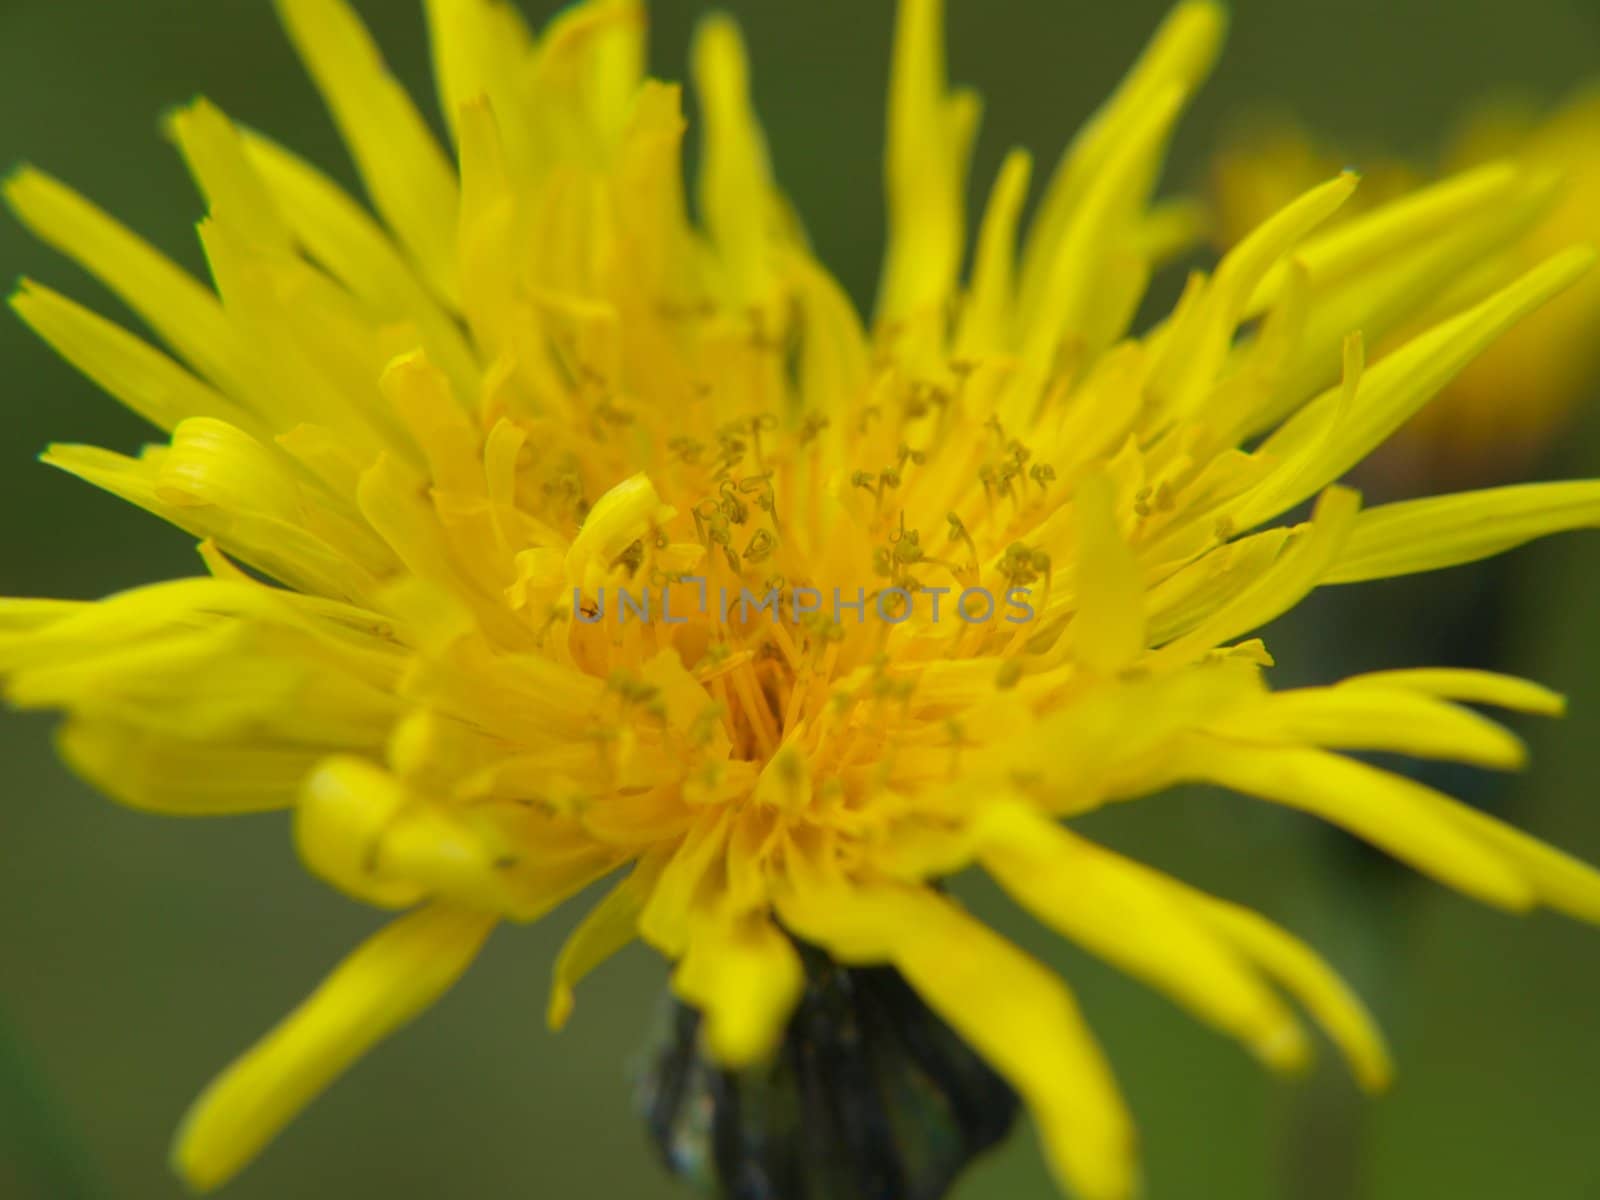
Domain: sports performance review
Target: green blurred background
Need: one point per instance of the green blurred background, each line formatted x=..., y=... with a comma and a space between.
x=139, y=954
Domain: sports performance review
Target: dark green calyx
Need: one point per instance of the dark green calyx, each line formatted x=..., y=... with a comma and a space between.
x=871, y=1097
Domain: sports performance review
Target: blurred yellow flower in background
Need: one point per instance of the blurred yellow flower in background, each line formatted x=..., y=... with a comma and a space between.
x=1496, y=418
x=1268, y=159
x=432, y=456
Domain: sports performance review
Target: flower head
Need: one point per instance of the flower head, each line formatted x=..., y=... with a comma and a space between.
x=555, y=536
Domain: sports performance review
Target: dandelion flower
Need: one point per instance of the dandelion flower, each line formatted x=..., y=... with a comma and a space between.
x=473, y=476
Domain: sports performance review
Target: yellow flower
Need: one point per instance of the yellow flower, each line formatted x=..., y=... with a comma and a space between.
x=1497, y=416
x=439, y=462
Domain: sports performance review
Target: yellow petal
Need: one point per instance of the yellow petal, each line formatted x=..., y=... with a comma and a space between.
x=833, y=363
x=668, y=917
x=184, y=313
x=605, y=929
x=1559, y=880
x=745, y=977
x=383, y=985
x=626, y=513
x=191, y=777
x=479, y=47
x=340, y=235
x=409, y=178
x=1343, y=252
x=1016, y=1014
x=308, y=353
x=1407, y=378
x=1108, y=630
x=1178, y=57
x=344, y=812
x=218, y=482
x=159, y=659
x=389, y=498
x=736, y=196
x=421, y=395
x=1412, y=822
x=1477, y=687
x=1085, y=264
x=987, y=322
x=930, y=131
x=1114, y=909
x=1442, y=531
x=1182, y=600
x=1303, y=462
x=588, y=67
x=234, y=190
x=1434, y=274
x=136, y=373
x=1280, y=586
x=1194, y=352
x=1298, y=968
x=489, y=277
x=1374, y=718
